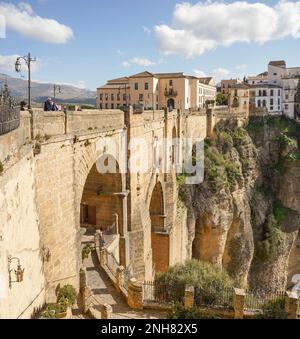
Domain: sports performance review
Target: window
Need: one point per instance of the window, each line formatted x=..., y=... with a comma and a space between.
x=279, y=102
x=106, y=106
x=272, y=102
x=118, y=105
x=146, y=86
x=141, y=97
x=259, y=93
x=118, y=97
x=275, y=74
x=258, y=103
x=106, y=97
x=124, y=97
x=101, y=96
x=272, y=93
x=286, y=97
x=112, y=97
x=101, y=106
x=171, y=82
x=112, y=106
x=286, y=106
x=264, y=103
x=264, y=93
x=271, y=108
x=279, y=92
x=136, y=86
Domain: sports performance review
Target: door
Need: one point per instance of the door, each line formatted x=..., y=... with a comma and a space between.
x=92, y=215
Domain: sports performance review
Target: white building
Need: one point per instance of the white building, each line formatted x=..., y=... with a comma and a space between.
x=278, y=79
x=269, y=97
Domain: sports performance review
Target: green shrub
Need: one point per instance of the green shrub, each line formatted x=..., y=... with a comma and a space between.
x=239, y=135
x=268, y=247
x=284, y=140
x=178, y=311
x=202, y=275
x=274, y=309
x=220, y=170
x=67, y=295
x=293, y=156
x=280, y=213
x=86, y=251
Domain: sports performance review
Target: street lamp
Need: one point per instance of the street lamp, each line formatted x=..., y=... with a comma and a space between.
x=56, y=88
x=18, y=66
x=126, y=97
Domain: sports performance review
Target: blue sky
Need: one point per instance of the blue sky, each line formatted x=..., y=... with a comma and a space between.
x=111, y=38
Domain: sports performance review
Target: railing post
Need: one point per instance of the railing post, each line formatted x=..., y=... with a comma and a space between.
x=291, y=305
x=239, y=303
x=103, y=257
x=120, y=277
x=135, y=295
x=85, y=292
x=106, y=312
x=189, y=297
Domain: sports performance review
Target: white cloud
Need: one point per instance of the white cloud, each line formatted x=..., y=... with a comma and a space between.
x=24, y=21
x=221, y=74
x=201, y=27
x=240, y=67
x=147, y=30
x=199, y=73
x=139, y=61
x=7, y=64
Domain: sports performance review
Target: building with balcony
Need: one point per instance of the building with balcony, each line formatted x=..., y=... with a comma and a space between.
x=157, y=91
x=239, y=99
x=276, y=89
x=226, y=84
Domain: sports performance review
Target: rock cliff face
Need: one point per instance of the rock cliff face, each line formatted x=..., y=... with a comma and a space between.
x=246, y=214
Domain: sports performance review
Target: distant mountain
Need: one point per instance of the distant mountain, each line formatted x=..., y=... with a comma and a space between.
x=41, y=91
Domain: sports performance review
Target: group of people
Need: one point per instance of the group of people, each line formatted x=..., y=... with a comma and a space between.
x=50, y=105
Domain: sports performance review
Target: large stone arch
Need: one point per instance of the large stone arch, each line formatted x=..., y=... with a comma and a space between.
x=87, y=154
x=160, y=240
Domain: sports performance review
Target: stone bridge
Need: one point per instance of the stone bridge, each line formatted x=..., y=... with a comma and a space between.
x=51, y=186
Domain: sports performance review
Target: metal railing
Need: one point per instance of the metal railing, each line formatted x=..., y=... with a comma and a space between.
x=112, y=263
x=258, y=300
x=214, y=297
x=9, y=112
x=162, y=293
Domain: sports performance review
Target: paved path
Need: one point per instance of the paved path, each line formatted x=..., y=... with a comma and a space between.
x=105, y=293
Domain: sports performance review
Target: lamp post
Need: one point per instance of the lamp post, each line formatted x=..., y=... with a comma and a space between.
x=56, y=88
x=126, y=98
x=18, y=66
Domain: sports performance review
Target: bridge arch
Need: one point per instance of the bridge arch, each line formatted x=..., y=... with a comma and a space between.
x=101, y=197
x=160, y=241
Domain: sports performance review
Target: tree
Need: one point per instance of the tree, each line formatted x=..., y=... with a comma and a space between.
x=221, y=100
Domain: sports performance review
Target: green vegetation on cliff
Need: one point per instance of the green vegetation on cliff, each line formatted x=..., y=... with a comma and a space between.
x=221, y=170
x=195, y=273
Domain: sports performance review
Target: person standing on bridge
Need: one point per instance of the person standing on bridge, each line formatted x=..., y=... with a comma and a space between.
x=50, y=105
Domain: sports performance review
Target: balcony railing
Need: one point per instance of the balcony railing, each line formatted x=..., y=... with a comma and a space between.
x=170, y=93
x=9, y=112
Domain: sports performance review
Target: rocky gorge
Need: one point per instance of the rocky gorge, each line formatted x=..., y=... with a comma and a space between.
x=245, y=216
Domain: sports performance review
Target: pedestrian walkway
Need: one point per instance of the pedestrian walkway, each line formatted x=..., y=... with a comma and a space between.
x=105, y=293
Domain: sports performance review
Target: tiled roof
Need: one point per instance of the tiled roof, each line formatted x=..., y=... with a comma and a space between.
x=143, y=75
x=206, y=80
x=240, y=86
x=170, y=75
x=278, y=63
x=113, y=86
x=119, y=80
